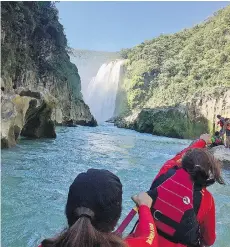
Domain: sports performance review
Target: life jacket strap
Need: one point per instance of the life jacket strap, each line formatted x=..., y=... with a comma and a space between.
x=166, y=220
x=164, y=177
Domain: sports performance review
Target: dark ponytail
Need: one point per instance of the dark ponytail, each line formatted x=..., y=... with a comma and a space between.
x=83, y=234
x=202, y=166
x=93, y=209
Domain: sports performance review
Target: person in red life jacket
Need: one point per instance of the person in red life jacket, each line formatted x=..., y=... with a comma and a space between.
x=93, y=209
x=217, y=140
x=221, y=123
x=183, y=208
x=201, y=143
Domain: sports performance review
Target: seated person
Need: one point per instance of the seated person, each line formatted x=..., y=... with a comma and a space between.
x=93, y=209
x=217, y=139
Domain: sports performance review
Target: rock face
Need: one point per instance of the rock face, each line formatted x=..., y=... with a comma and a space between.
x=38, y=121
x=186, y=120
x=222, y=154
x=12, y=118
x=36, y=70
x=23, y=114
x=170, y=121
x=210, y=105
x=81, y=115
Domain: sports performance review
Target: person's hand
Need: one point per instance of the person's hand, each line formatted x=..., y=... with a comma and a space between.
x=142, y=199
x=206, y=138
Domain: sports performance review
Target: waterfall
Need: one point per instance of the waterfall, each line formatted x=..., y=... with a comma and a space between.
x=102, y=90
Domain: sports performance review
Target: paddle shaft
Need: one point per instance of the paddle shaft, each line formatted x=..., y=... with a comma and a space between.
x=126, y=221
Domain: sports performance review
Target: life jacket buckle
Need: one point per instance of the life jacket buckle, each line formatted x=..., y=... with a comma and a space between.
x=154, y=214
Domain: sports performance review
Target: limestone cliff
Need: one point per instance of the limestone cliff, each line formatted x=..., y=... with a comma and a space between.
x=34, y=59
x=185, y=120
x=27, y=114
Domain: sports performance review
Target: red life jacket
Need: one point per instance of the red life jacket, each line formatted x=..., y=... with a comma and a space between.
x=173, y=207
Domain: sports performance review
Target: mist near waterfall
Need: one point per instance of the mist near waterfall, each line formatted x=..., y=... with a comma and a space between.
x=102, y=90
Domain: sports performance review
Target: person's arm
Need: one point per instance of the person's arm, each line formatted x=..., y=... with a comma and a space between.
x=208, y=225
x=177, y=159
x=146, y=233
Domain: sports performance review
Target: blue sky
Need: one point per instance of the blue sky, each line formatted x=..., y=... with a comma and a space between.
x=110, y=26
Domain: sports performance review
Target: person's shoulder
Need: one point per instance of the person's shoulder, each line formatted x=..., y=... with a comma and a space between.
x=207, y=195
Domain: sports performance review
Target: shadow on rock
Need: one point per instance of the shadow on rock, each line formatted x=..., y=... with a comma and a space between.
x=38, y=123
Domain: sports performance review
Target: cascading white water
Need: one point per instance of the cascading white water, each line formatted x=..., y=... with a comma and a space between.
x=102, y=90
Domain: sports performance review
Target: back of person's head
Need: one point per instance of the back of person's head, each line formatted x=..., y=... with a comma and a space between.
x=202, y=166
x=218, y=116
x=217, y=133
x=93, y=209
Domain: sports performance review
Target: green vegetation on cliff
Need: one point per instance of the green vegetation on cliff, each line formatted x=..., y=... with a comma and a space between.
x=34, y=40
x=173, y=68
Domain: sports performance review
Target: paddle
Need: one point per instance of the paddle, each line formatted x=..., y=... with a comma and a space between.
x=126, y=221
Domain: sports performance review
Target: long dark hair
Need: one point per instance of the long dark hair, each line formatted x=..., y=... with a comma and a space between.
x=83, y=233
x=92, y=210
x=202, y=166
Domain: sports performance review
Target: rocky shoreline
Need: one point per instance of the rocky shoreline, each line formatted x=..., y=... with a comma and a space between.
x=164, y=121
x=34, y=114
x=223, y=154
x=186, y=120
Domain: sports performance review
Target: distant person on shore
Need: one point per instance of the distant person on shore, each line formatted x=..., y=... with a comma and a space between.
x=221, y=123
x=227, y=134
x=217, y=140
x=93, y=209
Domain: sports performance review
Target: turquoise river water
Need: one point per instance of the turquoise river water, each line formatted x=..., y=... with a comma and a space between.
x=36, y=175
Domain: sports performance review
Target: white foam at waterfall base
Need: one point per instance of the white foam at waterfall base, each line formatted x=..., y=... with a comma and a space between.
x=102, y=90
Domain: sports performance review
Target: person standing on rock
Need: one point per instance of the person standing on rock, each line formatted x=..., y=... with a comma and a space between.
x=221, y=123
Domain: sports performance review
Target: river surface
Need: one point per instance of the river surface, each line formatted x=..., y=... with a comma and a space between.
x=36, y=175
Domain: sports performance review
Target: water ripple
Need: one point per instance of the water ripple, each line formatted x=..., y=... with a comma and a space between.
x=36, y=175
